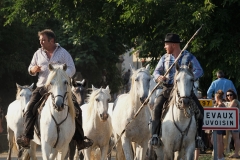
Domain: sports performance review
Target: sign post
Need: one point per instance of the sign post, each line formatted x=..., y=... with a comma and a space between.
x=220, y=119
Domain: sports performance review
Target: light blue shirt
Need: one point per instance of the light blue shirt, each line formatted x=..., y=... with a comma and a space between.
x=220, y=84
x=168, y=59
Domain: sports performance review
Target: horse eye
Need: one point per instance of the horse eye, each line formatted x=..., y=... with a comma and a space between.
x=97, y=100
x=108, y=100
x=66, y=82
x=136, y=79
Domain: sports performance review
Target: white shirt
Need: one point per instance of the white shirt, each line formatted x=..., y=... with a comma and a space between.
x=60, y=56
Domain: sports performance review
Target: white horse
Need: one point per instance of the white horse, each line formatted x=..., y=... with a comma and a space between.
x=57, y=118
x=179, y=125
x=96, y=124
x=126, y=107
x=14, y=117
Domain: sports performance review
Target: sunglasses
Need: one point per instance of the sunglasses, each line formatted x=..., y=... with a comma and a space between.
x=229, y=95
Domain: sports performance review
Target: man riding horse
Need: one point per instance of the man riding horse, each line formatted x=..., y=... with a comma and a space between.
x=49, y=53
x=172, y=47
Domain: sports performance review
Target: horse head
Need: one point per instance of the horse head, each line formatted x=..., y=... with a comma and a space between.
x=184, y=81
x=24, y=94
x=59, y=86
x=78, y=89
x=100, y=101
x=140, y=82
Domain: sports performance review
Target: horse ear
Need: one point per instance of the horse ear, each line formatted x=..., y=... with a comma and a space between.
x=18, y=86
x=177, y=67
x=190, y=65
x=148, y=67
x=83, y=82
x=64, y=67
x=50, y=67
x=31, y=87
x=107, y=89
x=93, y=88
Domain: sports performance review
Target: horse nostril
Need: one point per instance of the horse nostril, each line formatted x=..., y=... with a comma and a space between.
x=104, y=116
x=142, y=100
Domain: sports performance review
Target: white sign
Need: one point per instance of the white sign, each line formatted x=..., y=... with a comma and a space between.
x=220, y=119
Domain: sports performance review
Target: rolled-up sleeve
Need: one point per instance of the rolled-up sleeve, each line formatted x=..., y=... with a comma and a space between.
x=159, y=69
x=71, y=70
x=210, y=91
x=33, y=63
x=197, y=69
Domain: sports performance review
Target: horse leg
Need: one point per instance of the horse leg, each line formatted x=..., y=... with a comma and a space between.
x=87, y=153
x=10, y=142
x=143, y=151
x=127, y=148
x=189, y=152
x=46, y=151
x=62, y=154
x=32, y=150
x=104, y=152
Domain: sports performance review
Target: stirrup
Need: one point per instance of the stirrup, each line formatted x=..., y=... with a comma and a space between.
x=157, y=142
x=199, y=143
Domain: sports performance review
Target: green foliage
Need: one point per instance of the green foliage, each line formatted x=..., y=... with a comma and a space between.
x=96, y=32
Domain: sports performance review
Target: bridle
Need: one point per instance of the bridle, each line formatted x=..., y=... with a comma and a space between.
x=187, y=114
x=53, y=99
x=55, y=107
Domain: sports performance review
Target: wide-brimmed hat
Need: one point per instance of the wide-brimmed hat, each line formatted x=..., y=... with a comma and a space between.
x=173, y=38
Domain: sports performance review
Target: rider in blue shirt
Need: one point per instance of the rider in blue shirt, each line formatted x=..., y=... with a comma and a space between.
x=172, y=47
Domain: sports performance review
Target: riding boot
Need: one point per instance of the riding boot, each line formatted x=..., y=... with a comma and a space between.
x=29, y=119
x=155, y=141
x=82, y=141
x=199, y=141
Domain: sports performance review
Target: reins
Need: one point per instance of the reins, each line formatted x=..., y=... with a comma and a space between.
x=58, y=124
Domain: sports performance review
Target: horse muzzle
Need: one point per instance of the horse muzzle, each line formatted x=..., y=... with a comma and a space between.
x=104, y=116
x=142, y=100
x=59, y=106
x=184, y=101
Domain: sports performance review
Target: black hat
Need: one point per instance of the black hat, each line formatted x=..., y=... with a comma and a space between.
x=173, y=38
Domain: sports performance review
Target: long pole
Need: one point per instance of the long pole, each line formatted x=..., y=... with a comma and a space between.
x=160, y=82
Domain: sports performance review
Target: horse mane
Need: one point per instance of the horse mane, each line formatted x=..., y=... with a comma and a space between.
x=19, y=90
x=59, y=74
x=134, y=74
x=174, y=90
x=91, y=99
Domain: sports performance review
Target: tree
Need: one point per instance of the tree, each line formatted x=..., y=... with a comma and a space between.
x=96, y=30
